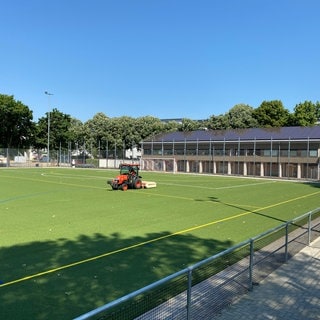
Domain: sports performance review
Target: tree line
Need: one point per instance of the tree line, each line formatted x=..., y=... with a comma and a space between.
x=18, y=130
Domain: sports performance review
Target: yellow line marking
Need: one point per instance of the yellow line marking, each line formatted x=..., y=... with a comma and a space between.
x=151, y=241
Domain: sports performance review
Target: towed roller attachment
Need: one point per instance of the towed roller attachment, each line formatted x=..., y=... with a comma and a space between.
x=149, y=184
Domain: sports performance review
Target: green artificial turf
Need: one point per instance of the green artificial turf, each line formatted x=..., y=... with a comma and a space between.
x=69, y=243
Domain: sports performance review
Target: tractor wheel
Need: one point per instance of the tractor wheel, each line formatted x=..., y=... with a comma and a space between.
x=137, y=184
x=124, y=187
x=114, y=186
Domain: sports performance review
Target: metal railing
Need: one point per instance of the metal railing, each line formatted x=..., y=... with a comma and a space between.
x=201, y=291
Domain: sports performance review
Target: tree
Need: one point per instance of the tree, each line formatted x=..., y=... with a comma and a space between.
x=16, y=126
x=148, y=126
x=217, y=122
x=97, y=126
x=305, y=114
x=317, y=106
x=271, y=114
x=94, y=133
x=123, y=132
x=77, y=132
x=241, y=116
x=189, y=125
x=58, y=131
x=170, y=126
x=110, y=134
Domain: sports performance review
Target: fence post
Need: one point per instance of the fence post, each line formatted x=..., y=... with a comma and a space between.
x=251, y=264
x=286, y=243
x=309, y=228
x=189, y=293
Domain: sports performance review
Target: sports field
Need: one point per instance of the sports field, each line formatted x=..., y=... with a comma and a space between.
x=69, y=243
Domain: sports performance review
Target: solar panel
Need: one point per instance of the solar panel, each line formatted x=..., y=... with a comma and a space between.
x=281, y=133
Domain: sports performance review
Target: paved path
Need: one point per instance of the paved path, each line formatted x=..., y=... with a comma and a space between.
x=291, y=292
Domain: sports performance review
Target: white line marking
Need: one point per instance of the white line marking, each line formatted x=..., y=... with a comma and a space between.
x=218, y=188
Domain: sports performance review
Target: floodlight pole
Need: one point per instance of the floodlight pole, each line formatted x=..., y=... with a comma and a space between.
x=48, y=143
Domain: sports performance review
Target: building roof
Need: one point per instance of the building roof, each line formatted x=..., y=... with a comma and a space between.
x=281, y=133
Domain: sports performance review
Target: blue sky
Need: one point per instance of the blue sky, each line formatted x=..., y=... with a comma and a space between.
x=164, y=58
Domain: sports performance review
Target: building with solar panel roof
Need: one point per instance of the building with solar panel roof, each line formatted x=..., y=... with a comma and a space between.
x=285, y=152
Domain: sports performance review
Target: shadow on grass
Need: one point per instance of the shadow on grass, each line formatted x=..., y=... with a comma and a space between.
x=313, y=184
x=63, y=279
x=215, y=199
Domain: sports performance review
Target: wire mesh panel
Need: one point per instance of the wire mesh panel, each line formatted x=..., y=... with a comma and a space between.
x=315, y=229
x=226, y=278
x=267, y=265
x=171, y=302
x=269, y=254
x=297, y=236
x=157, y=301
x=275, y=248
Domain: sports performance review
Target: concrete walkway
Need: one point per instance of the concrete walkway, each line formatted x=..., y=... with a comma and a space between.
x=291, y=292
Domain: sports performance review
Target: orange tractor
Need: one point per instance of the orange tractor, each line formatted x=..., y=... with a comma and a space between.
x=128, y=178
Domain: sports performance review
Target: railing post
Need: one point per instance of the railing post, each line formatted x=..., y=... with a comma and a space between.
x=251, y=264
x=189, y=294
x=309, y=228
x=286, y=243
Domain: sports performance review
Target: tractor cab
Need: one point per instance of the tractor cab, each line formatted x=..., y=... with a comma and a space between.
x=132, y=169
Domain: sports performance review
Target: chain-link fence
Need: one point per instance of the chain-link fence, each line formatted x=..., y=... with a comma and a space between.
x=15, y=157
x=204, y=289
